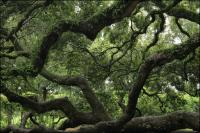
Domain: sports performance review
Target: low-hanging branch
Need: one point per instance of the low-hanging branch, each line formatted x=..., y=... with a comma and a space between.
x=82, y=83
x=58, y=104
x=163, y=123
x=159, y=124
x=62, y=104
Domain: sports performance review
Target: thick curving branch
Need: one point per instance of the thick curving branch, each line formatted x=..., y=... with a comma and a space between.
x=157, y=124
x=164, y=123
x=90, y=27
x=180, y=28
x=180, y=52
x=180, y=12
x=161, y=58
x=186, y=14
x=62, y=104
x=82, y=83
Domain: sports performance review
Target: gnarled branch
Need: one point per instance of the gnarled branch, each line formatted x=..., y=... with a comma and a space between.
x=90, y=27
x=62, y=104
x=165, y=123
x=82, y=83
x=156, y=60
x=157, y=124
x=180, y=12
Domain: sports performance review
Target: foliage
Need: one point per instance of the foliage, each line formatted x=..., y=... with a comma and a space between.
x=111, y=65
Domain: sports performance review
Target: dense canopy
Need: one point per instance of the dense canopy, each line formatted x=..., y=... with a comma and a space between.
x=121, y=66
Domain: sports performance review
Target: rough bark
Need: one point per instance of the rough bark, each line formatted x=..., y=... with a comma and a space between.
x=149, y=124
x=163, y=124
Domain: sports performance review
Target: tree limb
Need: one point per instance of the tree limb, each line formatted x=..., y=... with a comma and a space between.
x=89, y=27
x=156, y=60
x=164, y=123
x=180, y=28
x=157, y=33
x=62, y=104
x=180, y=12
x=157, y=124
x=82, y=83
x=183, y=13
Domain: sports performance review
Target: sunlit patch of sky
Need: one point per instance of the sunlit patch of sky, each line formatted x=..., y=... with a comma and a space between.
x=198, y=86
x=110, y=3
x=144, y=12
x=112, y=26
x=77, y=9
x=177, y=41
x=133, y=26
x=129, y=23
x=168, y=30
x=198, y=10
x=172, y=87
x=19, y=88
x=167, y=25
x=102, y=36
x=108, y=81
